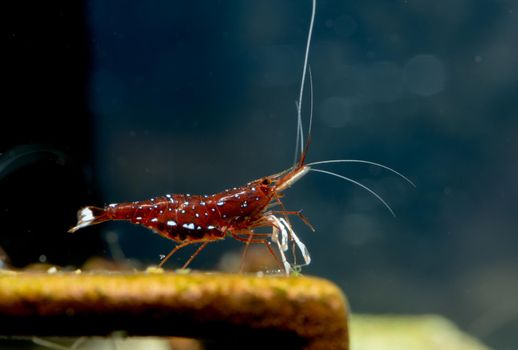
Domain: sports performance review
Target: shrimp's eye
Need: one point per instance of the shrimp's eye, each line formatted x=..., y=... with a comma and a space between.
x=266, y=181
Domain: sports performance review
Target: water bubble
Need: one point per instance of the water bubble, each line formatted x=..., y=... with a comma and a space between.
x=424, y=75
x=42, y=258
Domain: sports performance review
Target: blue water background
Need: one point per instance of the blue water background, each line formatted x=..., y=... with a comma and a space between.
x=196, y=97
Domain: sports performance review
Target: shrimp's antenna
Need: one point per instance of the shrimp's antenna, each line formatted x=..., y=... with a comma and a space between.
x=300, y=134
x=366, y=162
x=356, y=183
x=310, y=101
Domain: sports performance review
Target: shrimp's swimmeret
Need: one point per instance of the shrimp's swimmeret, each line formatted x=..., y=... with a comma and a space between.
x=238, y=212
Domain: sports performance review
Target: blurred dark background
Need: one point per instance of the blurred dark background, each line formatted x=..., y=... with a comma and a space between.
x=116, y=101
x=46, y=136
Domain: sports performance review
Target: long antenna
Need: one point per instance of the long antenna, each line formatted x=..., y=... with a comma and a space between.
x=359, y=184
x=331, y=161
x=310, y=100
x=300, y=133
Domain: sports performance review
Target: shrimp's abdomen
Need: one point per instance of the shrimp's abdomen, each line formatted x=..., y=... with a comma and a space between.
x=177, y=217
x=194, y=217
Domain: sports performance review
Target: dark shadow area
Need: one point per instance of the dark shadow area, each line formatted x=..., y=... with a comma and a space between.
x=45, y=134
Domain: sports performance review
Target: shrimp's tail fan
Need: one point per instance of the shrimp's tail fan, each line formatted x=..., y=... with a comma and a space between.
x=88, y=216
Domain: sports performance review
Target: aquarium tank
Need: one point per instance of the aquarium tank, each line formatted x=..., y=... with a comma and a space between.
x=113, y=101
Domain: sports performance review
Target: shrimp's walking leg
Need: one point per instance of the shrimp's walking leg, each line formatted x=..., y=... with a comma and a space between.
x=297, y=213
x=251, y=239
x=175, y=249
x=195, y=253
x=269, y=246
x=298, y=242
x=277, y=225
x=245, y=250
x=287, y=224
x=286, y=231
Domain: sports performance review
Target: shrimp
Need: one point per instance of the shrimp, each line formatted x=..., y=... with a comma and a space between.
x=237, y=212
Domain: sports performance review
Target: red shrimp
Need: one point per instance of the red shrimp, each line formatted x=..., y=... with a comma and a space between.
x=188, y=219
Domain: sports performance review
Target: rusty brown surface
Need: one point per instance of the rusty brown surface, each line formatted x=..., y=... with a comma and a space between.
x=294, y=312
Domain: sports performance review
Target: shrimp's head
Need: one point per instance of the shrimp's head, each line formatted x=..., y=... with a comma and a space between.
x=264, y=185
x=279, y=182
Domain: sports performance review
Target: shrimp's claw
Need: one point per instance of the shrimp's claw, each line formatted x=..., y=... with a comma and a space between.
x=89, y=216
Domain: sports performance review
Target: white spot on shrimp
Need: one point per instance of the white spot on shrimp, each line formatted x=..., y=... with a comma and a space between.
x=197, y=215
x=168, y=195
x=205, y=196
x=188, y=226
x=224, y=216
x=139, y=207
x=185, y=203
x=220, y=203
x=256, y=198
x=155, y=206
x=138, y=218
x=198, y=228
x=113, y=205
x=182, y=211
x=161, y=211
x=210, y=227
x=202, y=203
x=234, y=188
x=212, y=209
x=152, y=199
x=154, y=220
x=170, y=209
x=188, y=195
x=253, y=188
x=244, y=205
x=193, y=207
x=171, y=223
x=236, y=195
